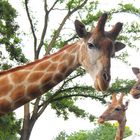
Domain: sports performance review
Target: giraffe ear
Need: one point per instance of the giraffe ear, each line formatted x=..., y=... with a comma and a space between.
x=80, y=29
x=135, y=70
x=126, y=104
x=118, y=46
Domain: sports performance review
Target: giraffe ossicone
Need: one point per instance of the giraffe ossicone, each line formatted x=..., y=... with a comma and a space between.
x=93, y=51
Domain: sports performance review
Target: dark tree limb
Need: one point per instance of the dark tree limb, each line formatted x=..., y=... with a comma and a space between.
x=32, y=26
x=41, y=43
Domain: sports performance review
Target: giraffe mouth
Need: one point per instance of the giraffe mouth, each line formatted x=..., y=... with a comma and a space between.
x=137, y=96
x=102, y=81
x=100, y=84
x=135, y=93
x=101, y=120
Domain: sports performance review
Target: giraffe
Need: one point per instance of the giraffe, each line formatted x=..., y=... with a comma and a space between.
x=135, y=90
x=116, y=111
x=93, y=51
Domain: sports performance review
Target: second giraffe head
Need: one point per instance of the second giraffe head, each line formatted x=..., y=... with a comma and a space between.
x=98, y=46
x=135, y=90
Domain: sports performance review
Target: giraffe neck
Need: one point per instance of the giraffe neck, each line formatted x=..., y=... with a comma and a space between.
x=22, y=84
x=121, y=129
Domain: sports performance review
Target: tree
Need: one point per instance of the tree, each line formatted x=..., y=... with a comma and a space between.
x=106, y=131
x=9, y=40
x=9, y=37
x=63, y=98
x=9, y=127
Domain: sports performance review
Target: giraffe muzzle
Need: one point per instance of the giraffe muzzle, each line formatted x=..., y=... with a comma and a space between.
x=135, y=93
x=102, y=81
x=101, y=120
x=106, y=76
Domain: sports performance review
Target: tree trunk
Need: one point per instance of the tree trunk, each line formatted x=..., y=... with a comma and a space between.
x=28, y=123
x=25, y=127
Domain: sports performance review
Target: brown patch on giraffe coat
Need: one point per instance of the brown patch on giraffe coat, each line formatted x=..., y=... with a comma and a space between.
x=4, y=89
x=19, y=76
x=72, y=49
x=52, y=67
x=62, y=67
x=46, y=86
x=63, y=57
x=4, y=80
x=42, y=66
x=5, y=106
x=35, y=76
x=55, y=58
x=29, y=67
x=18, y=93
x=71, y=60
x=68, y=72
x=58, y=77
x=46, y=78
x=33, y=91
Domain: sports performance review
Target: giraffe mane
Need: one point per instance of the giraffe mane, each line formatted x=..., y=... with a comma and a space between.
x=35, y=62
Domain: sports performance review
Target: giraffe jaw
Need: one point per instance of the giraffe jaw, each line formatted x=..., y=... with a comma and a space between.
x=100, y=85
x=102, y=80
x=101, y=120
x=135, y=93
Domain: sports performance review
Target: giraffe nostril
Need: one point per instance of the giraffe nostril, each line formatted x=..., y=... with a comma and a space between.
x=106, y=76
x=101, y=117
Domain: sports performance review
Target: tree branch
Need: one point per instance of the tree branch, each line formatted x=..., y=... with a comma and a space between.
x=70, y=39
x=36, y=107
x=57, y=32
x=44, y=29
x=76, y=95
x=31, y=24
x=53, y=5
x=78, y=7
x=67, y=80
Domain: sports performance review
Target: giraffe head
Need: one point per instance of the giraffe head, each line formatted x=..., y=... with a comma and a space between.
x=97, y=48
x=115, y=110
x=135, y=91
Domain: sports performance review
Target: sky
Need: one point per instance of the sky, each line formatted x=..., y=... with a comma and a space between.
x=49, y=125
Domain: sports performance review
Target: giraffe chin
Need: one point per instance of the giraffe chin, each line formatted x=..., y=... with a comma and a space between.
x=101, y=121
x=136, y=96
x=135, y=93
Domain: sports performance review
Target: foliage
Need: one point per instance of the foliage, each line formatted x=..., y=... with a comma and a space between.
x=8, y=34
x=9, y=127
x=106, y=131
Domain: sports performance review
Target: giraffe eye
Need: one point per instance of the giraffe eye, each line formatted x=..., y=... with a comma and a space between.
x=117, y=109
x=137, y=87
x=91, y=45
